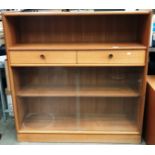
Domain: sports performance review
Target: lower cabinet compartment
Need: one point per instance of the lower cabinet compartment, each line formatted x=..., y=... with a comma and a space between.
x=84, y=101
x=85, y=115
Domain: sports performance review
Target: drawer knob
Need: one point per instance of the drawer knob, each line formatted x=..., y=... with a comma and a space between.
x=42, y=56
x=110, y=56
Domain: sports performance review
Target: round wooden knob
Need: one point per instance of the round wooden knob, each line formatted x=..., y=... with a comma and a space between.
x=110, y=56
x=42, y=56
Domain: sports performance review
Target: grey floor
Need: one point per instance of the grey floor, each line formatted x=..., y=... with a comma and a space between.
x=7, y=129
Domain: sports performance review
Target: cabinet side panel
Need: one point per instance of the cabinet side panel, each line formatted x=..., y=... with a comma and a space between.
x=8, y=42
x=145, y=40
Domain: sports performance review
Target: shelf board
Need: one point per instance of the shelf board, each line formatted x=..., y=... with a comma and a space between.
x=46, y=92
x=76, y=46
x=73, y=92
x=98, y=124
x=108, y=92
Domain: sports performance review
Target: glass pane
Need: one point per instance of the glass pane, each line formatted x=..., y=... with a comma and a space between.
x=109, y=98
x=78, y=99
x=47, y=96
x=49, y=114
x=108, y=114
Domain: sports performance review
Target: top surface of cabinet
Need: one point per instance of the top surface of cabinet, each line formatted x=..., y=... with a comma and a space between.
x=77, y=13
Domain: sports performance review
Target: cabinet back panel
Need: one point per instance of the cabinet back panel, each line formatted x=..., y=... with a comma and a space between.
x=87, y=106
x=94, y=77
x=108, y=106
x=46, y=77
x=57, y=106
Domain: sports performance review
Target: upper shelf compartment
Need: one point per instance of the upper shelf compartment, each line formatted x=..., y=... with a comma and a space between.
x=76, y=31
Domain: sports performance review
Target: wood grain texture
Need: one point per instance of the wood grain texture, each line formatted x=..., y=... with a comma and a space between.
x=43, y=57
x=75, y=65
x=104, y=138
x=79, y=80
x=145, y=32
x=76, y=29
x=149, y=132
x=133, y=57
x=77, y=13
x=8, y=40
x=96, y=115
x=78, y=32
x=96, y=123
x=81, y=92
x=112, y=57
x=149, y=116
x=151, y=81
x=86, y=85
x=7, y=76
x=75, y=46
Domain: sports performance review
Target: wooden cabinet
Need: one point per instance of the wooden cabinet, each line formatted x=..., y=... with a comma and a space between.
x=78, y=77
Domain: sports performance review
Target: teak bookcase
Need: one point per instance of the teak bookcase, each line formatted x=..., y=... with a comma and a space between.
x=78, y=77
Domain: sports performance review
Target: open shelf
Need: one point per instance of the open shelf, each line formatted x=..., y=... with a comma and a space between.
x=78, y=32
x=82, y=92
x=118, y=123
x=75, y=46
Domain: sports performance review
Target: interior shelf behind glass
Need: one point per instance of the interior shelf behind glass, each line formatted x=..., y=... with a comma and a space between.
x=82, y=82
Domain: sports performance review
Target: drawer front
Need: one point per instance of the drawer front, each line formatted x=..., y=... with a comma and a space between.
x=50, y=57
x=112, y=57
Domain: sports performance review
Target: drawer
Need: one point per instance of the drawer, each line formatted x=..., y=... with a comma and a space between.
x=112, y=57
x=39, y=57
